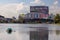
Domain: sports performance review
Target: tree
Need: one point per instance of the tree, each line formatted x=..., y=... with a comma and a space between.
x=20, y=19
x=13, y=19
x=57, y=18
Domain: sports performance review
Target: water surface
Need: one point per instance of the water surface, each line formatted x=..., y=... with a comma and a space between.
x=21, y=31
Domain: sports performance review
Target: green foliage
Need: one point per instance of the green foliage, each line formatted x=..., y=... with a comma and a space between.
x=57, y=18
x=20, y=19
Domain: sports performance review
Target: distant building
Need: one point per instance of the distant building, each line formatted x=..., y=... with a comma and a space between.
x=2, y=18
x=8, y=20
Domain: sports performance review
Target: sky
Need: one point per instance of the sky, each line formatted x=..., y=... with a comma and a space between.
x=10, y=8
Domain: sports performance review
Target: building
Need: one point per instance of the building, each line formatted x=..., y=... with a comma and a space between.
x=2, y=18
x=37, y=13
x=8, y=20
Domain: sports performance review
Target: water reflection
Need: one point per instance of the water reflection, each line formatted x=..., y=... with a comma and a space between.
x=58, y=32
x=24, y=31
x=41, y=33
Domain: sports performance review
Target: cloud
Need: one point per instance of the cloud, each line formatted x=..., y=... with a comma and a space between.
x=22, y=8
x=8, y=10
x=56, y=2
x=54, y=8
x=14, y=9
x=37, y=2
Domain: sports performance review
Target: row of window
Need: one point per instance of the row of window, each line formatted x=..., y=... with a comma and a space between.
x=37, y=15
x=33, y=15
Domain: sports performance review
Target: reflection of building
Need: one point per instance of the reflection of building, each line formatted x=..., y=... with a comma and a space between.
x=57, y=32
x=41, y=33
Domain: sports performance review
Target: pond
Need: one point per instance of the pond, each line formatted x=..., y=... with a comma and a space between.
x=29, y=32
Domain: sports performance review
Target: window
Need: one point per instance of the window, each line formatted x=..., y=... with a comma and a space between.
x=30, y=15
x=36, y=15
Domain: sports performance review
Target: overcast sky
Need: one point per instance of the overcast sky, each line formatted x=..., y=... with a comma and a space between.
x=10, y=8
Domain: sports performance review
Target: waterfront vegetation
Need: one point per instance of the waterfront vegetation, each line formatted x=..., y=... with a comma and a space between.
x=57, y=19
x=21, y=19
